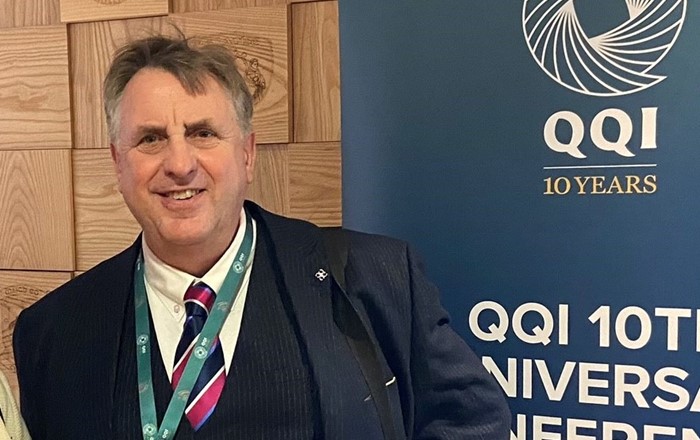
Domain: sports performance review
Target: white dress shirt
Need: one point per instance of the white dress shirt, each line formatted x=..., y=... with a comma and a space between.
x=166, y=287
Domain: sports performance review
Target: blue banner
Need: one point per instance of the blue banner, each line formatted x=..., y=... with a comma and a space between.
x=542, y=155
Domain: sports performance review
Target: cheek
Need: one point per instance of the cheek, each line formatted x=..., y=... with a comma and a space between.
x=125, y=181
x=132, y=175
x=229, y=168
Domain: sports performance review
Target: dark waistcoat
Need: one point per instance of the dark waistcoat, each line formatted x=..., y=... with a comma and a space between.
x=269, y=392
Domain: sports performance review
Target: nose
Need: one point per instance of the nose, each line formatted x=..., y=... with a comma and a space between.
x=180, y=160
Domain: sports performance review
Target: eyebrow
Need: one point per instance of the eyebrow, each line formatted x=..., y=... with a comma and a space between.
x=151, y=129
x=198, y=125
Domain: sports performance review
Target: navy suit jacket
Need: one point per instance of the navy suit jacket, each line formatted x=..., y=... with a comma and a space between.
x=66, y=345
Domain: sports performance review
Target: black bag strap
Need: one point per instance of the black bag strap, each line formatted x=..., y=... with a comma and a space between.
x=358, y=336
x=337, y=248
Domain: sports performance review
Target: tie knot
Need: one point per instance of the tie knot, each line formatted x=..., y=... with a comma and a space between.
x=199, y=295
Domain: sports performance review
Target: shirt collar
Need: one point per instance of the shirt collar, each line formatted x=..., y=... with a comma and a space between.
x=172, y=283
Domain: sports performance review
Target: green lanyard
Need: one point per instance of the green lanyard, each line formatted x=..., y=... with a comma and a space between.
x=212, y=327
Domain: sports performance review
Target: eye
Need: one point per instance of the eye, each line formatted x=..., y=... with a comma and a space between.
x=149, y=139
x=203, y=138
x=204, y=133
x=151, y=143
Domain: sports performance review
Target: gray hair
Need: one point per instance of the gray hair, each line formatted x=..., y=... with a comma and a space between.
x=188, y=64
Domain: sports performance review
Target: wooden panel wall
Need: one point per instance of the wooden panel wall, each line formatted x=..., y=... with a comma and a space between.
x=60, y=210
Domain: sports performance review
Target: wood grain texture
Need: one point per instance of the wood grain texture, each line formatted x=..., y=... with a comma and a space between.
x=94, y=10
x=315, y=183
x=103, y=224
x=22, y=13
x=34, y=98
x=316, y=72
x=18, y=290
x=36, y=221
x=212, y=5
x=258, y=36
x=259, y=39
x=270, y=188
x=92, y=46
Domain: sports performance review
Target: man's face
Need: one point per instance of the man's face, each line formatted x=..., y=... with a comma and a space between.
x=183, y=164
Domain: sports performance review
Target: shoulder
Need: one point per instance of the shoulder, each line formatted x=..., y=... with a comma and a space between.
x=363, y=247
x=276, y=221
x=362, y=244
x=374, y=256
x=279, y=223
x=81, y=290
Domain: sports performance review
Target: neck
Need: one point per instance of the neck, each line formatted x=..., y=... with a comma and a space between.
x=195, y=260
x=195, y=267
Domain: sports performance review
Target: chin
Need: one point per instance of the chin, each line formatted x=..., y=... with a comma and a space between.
x=187, y=239
x=186, y=236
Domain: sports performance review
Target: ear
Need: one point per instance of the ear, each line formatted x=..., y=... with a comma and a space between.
x=250, y=150
x=116, y=162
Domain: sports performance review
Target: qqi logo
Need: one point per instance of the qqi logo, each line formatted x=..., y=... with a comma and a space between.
x=616, y=62
x=618, y=58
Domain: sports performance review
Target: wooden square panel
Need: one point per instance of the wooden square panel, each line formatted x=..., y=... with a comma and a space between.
x=94, y=10
x=22, y=13
x=104, y=225
x=258, y=38
x=316, y=72
x=34, y=98
x=36, y=221
x=270, y=188
x=315, y=183
x=92, y=47
x=19, y=290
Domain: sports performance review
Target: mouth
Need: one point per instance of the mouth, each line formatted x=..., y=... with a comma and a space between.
x=182, y=195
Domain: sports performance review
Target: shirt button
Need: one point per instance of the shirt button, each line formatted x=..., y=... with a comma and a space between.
x=177, y=308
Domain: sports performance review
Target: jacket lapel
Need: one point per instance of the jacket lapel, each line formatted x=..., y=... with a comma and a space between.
x=342, y=391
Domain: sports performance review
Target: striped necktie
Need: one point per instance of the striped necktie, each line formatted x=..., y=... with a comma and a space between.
x=199, y=299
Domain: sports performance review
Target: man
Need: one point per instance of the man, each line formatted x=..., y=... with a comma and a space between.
x=11, y=424
x=142, y=345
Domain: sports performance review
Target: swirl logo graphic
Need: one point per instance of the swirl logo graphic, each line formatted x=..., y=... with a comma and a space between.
x=614, y=63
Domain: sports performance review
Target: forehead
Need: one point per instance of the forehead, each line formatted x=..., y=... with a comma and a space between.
x=157, y=96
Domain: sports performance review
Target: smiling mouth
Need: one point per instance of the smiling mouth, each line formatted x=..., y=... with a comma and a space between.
x=183, y=195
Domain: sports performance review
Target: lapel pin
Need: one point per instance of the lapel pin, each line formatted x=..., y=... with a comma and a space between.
x=321, y=275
